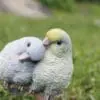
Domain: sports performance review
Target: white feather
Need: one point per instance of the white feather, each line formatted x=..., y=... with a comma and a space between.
x=11, y=68
x=54, y=72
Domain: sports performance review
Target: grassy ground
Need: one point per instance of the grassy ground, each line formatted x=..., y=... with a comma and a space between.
x=83, y=25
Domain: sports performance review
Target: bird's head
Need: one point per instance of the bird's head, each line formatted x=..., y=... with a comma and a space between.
x=58, y=42
x=33, y=49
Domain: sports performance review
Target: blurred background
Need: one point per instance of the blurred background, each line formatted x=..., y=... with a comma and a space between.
x=80, y=18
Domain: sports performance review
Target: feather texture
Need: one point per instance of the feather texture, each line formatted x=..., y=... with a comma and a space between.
x=54, y=72
x=14, y=71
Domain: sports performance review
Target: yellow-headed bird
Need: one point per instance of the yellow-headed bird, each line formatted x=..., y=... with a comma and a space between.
x=54, y=72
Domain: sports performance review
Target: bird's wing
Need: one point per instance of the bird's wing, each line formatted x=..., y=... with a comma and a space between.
x=18, y=76
x=3, y=65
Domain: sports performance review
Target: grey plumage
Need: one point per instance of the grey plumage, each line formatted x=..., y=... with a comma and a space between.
x=17, y=60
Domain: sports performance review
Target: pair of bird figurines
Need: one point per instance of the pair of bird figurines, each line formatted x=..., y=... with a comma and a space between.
x=41, y=67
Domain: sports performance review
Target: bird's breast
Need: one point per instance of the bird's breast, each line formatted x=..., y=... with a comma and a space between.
x=55, y=72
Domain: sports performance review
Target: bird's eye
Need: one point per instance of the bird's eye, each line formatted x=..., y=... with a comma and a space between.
x=59, y=42
x=28, y=44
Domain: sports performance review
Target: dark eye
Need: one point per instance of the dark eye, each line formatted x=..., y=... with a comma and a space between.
x=59, y=42
x=28, y=44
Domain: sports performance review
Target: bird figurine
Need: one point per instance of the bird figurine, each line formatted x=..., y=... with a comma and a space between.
x=54, y=72
x=17, y=62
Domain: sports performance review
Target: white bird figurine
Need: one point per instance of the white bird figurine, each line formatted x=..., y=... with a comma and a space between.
x=17, y=61
x=54, y=72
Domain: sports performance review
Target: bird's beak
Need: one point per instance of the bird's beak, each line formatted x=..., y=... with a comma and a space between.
x=23, y=56
x=46, y=42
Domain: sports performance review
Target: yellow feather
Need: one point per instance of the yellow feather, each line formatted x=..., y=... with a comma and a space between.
x=55, y=34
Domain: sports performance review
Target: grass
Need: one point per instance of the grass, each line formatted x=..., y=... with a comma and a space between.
x=84, y=29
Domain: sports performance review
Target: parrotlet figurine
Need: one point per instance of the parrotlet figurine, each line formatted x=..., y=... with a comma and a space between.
x=18, y=60
x=54, y=72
